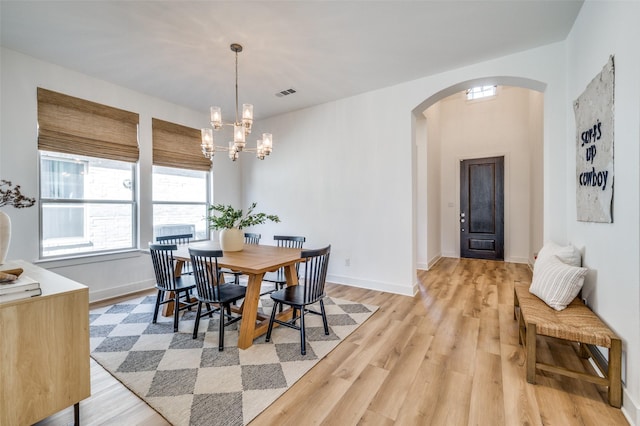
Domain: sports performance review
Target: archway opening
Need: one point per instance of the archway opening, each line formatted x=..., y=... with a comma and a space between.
x=447, y=128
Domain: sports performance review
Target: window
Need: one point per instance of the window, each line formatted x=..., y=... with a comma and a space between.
x=180, y=181
x=180, y=202
x=480, y=92
x=87, y=204
x=88, y=156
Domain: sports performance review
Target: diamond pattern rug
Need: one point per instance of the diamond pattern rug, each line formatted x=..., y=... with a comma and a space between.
x=188, y=381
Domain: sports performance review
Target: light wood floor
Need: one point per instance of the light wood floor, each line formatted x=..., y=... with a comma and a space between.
x=448, y=356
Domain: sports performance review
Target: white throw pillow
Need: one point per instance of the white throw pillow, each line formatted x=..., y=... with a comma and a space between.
x=557, y=283
x=568, y=254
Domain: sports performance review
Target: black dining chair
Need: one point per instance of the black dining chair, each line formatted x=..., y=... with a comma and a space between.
x=168, y=284
x=278, y=277
x=177, y=239
x=211, y=291
x=299, y=297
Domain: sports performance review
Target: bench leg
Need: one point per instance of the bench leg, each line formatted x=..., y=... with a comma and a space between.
x=516, y=304
x=614, y=373
x=531, y=353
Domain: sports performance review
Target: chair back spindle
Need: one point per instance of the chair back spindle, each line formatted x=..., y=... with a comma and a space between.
x=251, y=238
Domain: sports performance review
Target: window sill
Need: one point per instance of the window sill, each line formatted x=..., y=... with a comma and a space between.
x=89, y=258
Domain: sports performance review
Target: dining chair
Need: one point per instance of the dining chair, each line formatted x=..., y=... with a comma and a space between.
x=176, y=289
x=278, y=277
x=177, y=239
x=299, y=297
x=212, y=291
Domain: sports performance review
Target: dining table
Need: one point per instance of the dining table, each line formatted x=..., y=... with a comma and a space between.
x=253, y=260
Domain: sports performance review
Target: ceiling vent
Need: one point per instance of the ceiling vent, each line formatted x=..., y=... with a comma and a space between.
x=286, y=92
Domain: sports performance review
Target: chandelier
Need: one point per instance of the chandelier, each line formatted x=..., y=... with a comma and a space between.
x=241, y=128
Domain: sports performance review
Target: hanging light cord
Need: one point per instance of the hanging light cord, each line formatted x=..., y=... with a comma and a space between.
x=237, y=87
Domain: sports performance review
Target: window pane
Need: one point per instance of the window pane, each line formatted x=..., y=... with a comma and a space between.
x=87, y=205
x=175, y=219
x=65, y=176
x=179, y=185
x=74, y=228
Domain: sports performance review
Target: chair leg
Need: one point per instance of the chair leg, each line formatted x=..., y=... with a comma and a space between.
x=197, y=323
x=324, y=318
x=303, y=343
x=209, y=310
x=176, y=311
x=221, y=330
x=157, y=308
x=273, y=317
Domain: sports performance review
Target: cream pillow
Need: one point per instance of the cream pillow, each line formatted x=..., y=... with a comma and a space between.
x=568, y=254
x=556, y=283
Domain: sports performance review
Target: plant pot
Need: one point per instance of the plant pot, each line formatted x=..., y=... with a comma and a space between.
x=5, y=235
x=231, y=239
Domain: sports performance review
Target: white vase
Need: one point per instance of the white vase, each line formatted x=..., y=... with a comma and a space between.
x=231, y=239
x=5, y=235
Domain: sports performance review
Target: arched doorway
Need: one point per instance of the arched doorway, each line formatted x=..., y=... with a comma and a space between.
x=436, y=187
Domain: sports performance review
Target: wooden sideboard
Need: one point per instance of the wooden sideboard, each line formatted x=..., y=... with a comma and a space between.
x=44, y=349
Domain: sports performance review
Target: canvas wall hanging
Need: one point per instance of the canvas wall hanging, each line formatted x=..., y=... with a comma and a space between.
x=594, y=111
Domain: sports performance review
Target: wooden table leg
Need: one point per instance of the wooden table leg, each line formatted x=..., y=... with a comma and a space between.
x=250, y=311
x=291, y=274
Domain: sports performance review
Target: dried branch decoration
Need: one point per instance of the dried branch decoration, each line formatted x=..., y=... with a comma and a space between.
x=11, y=196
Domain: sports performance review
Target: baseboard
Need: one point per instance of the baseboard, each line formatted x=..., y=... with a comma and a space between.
x=374, y=285
x=517, y=260
x=122, y=290
x=630, y=408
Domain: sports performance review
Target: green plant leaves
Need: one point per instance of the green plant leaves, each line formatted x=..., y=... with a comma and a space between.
x=225, y=216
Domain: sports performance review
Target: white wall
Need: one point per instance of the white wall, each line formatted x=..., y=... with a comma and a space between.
x=108, y=275
x=611, y=251
x=498, y=126
x=536, y=175
x=433, y=195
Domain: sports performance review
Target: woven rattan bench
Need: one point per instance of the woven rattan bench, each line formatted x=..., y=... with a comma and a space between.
x=576, y=323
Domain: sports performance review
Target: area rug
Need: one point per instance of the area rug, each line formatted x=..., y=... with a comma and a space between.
x=188, y=381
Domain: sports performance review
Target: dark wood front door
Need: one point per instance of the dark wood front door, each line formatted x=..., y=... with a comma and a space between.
x=482, y=208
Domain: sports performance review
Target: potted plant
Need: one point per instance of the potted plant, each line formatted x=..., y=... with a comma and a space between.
x=230, y=222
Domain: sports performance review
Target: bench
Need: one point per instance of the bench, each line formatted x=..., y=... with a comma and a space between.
x=577, y=323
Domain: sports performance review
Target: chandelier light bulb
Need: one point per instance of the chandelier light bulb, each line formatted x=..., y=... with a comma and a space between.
x=208, y=147
x=267, y=143
x=216, y=117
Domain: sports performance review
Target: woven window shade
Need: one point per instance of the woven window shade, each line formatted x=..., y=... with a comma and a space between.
x=177, y=146
x=76, y=126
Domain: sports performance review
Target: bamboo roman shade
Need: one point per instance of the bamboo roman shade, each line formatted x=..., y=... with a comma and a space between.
x=177, y=146
x=76, y=126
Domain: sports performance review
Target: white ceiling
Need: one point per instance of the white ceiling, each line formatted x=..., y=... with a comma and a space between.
x=326, y=50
